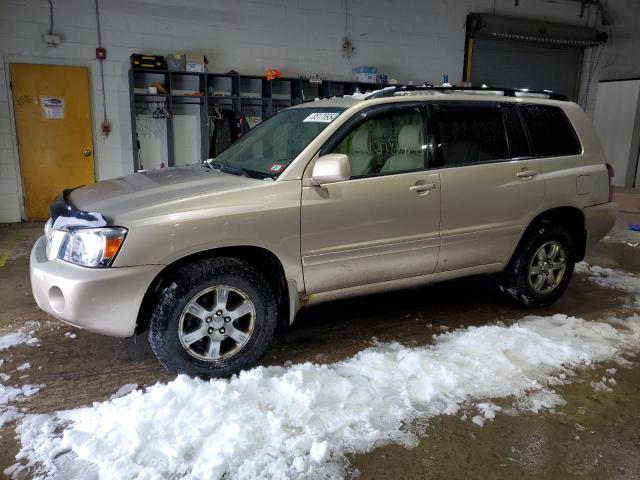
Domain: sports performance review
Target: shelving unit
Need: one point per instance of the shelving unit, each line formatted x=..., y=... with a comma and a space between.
x=255, y=96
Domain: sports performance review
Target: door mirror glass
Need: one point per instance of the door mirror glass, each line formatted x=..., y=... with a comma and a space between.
x=331, y=168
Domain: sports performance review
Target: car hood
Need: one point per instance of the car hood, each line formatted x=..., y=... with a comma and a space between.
x=153, y=189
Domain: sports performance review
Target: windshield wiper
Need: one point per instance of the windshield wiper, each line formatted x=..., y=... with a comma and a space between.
x=223, y=167
x=243, y=172
x=235, y=170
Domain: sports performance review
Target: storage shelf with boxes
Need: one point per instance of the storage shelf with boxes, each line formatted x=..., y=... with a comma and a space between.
x=178, y=109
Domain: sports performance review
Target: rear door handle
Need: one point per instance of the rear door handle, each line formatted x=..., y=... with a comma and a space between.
x=422, y=187
x=526, y=174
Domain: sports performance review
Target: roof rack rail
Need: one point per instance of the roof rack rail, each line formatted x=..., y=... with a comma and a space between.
x=507, y=92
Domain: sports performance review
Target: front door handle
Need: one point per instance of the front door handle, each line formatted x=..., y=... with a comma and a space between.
x=422, y=187
x=87, y=152
x=525, y=174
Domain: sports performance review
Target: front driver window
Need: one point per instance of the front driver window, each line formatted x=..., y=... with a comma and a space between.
x=388, y=143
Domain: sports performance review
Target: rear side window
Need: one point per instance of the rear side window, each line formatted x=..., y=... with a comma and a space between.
x=550, y=132
x=468, y=134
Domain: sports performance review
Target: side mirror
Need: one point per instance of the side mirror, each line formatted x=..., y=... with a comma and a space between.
x=331, y=168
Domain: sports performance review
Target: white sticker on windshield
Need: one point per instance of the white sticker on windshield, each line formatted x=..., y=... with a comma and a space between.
x=322, y=117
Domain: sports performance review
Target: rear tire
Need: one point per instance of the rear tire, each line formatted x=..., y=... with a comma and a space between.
x=213, y=318
x=541, y=269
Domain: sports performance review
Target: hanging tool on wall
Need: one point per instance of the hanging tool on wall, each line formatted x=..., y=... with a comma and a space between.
x=101, y=56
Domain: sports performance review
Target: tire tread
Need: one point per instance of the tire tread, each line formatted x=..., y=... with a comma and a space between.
x=182, y=282
x=514, y=283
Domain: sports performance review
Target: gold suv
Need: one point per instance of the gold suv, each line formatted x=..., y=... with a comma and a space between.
x=328, y=199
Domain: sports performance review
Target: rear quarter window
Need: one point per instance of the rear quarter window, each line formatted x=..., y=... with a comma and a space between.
x=550, y=131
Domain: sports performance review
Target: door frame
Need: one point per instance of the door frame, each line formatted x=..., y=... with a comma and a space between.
x=362, y=116
x=7, y=60
x=340, y=133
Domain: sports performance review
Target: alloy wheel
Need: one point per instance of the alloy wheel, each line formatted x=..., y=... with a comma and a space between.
x=217, y=323
x=547, y=267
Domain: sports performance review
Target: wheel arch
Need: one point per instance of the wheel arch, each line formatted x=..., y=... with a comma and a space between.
x=260, y=258
x=572, y=218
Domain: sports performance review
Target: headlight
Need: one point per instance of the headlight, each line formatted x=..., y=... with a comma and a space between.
x=92, y=247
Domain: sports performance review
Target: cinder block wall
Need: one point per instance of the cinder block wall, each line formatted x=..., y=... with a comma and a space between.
x=416, y=40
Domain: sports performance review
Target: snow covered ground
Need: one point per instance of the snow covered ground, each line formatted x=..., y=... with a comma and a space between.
x=17, y=338
x=609, y=278
x=11, y=394
x=301, y=421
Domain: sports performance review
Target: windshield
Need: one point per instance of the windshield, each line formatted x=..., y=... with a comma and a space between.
x=272, y=145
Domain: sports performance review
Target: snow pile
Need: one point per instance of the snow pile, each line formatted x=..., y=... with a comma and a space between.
x=124, y=390
x=488, y=411
x=8, y=414
x=9, y=394
x=610, y=278
x=600, y=387
x=539, y=400
x=17, y=338
x=300, y=421
x=606, y=382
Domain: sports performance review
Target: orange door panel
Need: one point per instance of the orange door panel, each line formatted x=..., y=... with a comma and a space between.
x=55, y=140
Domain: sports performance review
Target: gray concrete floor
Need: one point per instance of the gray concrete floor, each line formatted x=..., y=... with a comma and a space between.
x=543, y=446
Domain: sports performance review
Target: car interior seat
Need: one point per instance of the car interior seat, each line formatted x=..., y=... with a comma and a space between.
x=360, y=155
x=410, y=154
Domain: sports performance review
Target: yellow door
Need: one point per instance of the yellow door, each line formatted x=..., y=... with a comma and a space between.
x=53, y=123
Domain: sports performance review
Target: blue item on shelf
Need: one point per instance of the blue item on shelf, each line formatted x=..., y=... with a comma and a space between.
x=356, y=70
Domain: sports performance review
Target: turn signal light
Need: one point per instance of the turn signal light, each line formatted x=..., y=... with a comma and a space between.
x=112, y=247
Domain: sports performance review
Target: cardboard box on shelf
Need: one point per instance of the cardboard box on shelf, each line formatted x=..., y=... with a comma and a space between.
x=176, y=62
x=195, y=62
x=356, y=70
x=364, y=74
x=365, y=77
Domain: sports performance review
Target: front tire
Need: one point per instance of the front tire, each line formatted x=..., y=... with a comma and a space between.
x=213, y=318
x=542, y=267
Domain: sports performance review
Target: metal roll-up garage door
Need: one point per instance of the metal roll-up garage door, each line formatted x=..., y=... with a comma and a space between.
x=505, y=63
x=525, y=53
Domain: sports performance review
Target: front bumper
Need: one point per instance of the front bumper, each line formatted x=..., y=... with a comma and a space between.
x=102, y=300
x=599, y=220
